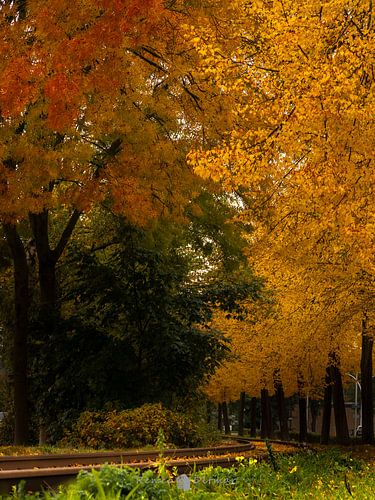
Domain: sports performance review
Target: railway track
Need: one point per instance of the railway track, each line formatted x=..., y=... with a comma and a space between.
x=49, y=471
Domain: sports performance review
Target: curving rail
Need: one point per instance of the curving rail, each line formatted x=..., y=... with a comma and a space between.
x=49, y=471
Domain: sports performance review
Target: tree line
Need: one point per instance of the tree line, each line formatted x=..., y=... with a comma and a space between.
x=122, y=163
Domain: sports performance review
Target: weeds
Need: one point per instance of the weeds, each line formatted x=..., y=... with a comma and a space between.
x=271, y=456
x=328, y=475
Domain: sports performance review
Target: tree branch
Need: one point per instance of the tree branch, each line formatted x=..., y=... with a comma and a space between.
x=66, y=234
x=147, y=60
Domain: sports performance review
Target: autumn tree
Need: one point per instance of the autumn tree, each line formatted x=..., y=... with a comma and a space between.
x=300, y=144
x=97, y=105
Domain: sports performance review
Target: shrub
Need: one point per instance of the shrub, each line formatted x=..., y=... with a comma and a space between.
x=132, y=428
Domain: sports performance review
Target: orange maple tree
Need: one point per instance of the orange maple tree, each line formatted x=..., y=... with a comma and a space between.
x=93, y=98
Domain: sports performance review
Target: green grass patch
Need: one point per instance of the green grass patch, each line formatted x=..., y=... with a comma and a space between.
x=52, y=449
x=325, y=475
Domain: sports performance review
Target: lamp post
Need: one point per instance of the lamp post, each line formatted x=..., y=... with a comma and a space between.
x=357, y=385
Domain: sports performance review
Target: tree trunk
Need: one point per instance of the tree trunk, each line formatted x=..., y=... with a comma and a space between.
x=366, y=386
x=224, y=407
x=241, y=413
x=327, y=409
x=302, y=405
x=253, y=417
x=48, y=258
x=46, y=262
x=341, y=423
x=282, y=411
x=219, y=417
x=43, y=436
x=19, y=355
x=266, y=425
x=314, y=410
x=49, y=313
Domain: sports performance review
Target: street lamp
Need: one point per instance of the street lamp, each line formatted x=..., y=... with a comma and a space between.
x=357, y=384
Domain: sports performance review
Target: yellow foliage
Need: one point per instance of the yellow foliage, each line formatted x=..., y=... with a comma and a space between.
x=300, y=148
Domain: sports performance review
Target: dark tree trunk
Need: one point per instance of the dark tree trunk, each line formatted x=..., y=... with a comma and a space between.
x=19, y=355
x=241, y=413
x=366, y=386
x=49, y=313
x=219, y=417
x=266, y=425
x=341, y=423
x=48, y=303
x=46, y=263
x=224, y=407
x=43, y=435
x=283, y=413
x=327, y=409
x=281, y=410
x=47, y=283
x=314, y=410
x=48, y=258
x=253, y=417
x=302, y=406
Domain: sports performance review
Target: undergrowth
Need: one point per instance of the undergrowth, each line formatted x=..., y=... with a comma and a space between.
x=326, y=475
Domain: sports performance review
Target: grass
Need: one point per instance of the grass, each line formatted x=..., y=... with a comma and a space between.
x=49, y=449
x=306, y=475
x=321, y=475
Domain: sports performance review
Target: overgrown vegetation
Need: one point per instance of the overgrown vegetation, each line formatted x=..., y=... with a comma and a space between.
x=133, y=323
x=137, y=427
x=306, y=475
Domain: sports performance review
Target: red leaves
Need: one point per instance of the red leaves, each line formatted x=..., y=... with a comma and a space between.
x=142, y=18
x=60, y=52
x=63, y=94
x=17, y=86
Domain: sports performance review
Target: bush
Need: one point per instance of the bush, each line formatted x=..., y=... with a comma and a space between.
x=133, y=428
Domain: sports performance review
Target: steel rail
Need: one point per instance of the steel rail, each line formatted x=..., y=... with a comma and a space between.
x=51, y=478
x=295, y=444
x=49, y=471
x=95, y=458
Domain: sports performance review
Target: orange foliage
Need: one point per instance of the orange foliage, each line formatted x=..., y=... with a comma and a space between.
x=74, y=79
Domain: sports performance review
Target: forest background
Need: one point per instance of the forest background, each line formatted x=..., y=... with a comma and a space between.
x=175, y=175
